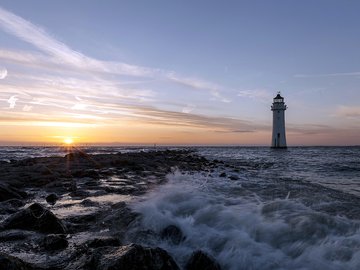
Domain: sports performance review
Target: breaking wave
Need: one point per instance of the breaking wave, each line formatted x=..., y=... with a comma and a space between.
x=241, y=230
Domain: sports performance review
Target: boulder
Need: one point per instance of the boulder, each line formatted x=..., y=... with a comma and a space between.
x=173, y=234
x=132, y=257
x=234, y=177
x=200, y=260
x=53, y=242
x=7, y=192
x=12, y=263
x=34, y=218
x=52, y=198
x=103, y=242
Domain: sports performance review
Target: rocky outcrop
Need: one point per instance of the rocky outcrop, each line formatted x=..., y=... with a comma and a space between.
x=131, y=257
x=173, y=234
x=12, y=263
x=34, y=218
x=53, y=242
x=200, y=260
x=7, y=192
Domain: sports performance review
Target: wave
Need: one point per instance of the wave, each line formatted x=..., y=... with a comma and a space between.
x=243, y=231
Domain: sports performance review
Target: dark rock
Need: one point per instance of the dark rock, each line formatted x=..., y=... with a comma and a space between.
x=132, y=257
x=234, y=177
x=79, y=193
x=53, y=242
x=172, y=233
x=86, y=173
x=8, y=262
x=14, y=235
x=120, y=218
x=7, y=193
x=34, y=218
x=200, y=260
x=222, y=174
x=103, y=242
x=10, y=206
x=52, y=198
x=89, y=203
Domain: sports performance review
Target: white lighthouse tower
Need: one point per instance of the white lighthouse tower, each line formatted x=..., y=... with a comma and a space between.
x=278, y=133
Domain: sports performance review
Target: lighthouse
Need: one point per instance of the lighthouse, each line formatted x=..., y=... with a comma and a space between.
x=278, y=133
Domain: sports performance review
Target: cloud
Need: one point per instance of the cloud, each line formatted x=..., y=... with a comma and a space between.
x=61, y=54
x=3, y=73
x=12, y=102
x=27, y=108
x=189, y=108
x=356, y=73
x=255, y=94
x=348, y=111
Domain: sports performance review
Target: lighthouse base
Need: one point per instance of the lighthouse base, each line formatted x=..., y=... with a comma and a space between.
x=278, y=147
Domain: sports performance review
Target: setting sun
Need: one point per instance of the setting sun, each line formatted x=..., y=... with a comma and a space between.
x=68, y=141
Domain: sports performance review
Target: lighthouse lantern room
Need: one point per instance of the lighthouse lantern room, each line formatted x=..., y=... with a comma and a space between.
x=278, y=133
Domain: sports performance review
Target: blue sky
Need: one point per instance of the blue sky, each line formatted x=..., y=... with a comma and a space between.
x=181, y=71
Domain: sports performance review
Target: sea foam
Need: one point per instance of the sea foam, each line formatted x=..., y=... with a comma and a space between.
x=242, y=231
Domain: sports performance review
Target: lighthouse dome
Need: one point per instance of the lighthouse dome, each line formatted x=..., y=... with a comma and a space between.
x=278, y=98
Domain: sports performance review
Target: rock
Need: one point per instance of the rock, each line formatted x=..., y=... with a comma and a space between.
x=132, y=257
x=14, y=235
x=120, y=218
x=7, y=193
x=103, y=242
x=172, y=233
x=12, y=263
x=51, y=198
x=222, y=174
x=10, y=206
x=200, y=260
x=53, y=242
x=234, y=177
x=89, y=203
x=34, y=218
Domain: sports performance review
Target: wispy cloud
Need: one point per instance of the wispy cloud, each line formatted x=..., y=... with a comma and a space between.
x=340, y=74
x=3, y=73
x=61, y=54
x=260, y=94
x=348, y=111
x=12, y=102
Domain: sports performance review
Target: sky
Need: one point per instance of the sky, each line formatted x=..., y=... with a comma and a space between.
x=178, y=72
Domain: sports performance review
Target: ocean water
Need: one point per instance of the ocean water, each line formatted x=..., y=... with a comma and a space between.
x=283, y=209
x=289, y=209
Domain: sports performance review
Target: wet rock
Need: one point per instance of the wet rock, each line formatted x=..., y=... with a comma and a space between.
x=79, y=193
x=51, y=198
x=103, y=242
x=173, y=234
x=53, y=242
x=89, y=203
x=34, y=218
x=14, y=235
x=222, y=174
x=234, y=177
x=12, y=263
x=132, y=257
x=7, y=193
x=10, y=206
x=86, y=173
x=200, y=260
x=120, y=218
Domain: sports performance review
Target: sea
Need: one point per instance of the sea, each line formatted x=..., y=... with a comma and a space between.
x=263, y=208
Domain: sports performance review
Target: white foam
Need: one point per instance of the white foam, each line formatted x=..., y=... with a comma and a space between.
x=245, y=233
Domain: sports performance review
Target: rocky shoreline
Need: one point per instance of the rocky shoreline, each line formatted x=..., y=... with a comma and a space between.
x=71, y=212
